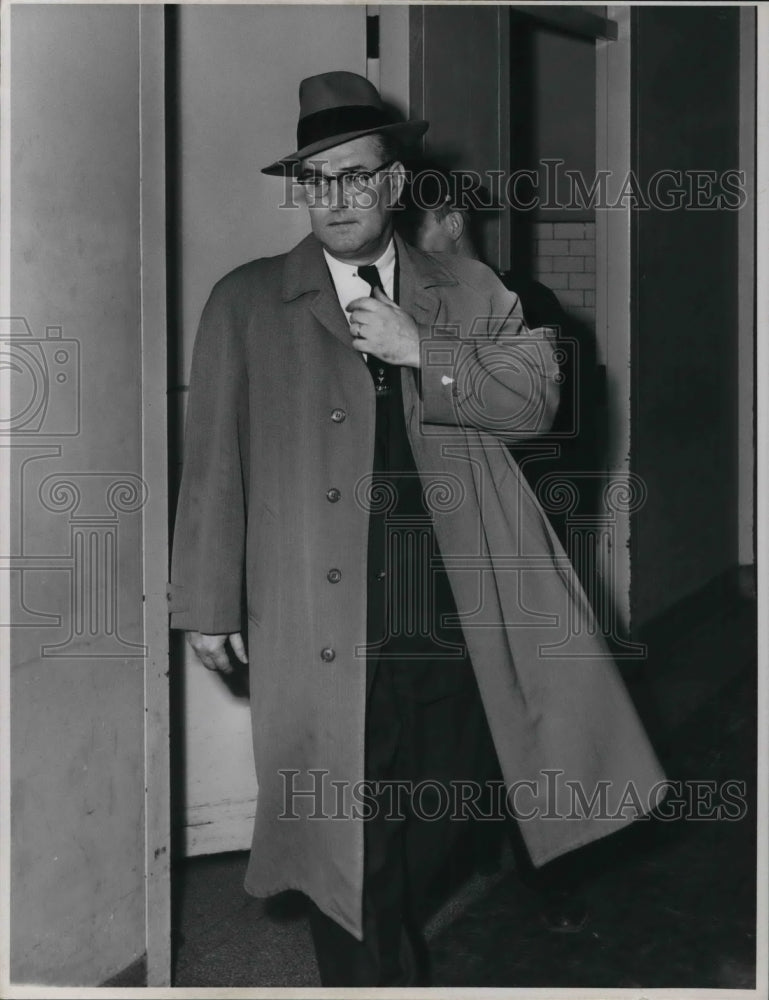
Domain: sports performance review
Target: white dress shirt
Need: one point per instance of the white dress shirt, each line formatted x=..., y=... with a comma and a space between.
x=349, y=286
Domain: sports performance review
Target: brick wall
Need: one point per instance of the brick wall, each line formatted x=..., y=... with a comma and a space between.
x=564, y=260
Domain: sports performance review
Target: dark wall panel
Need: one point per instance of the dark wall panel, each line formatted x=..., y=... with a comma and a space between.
x=684, y=397
x=459, y=73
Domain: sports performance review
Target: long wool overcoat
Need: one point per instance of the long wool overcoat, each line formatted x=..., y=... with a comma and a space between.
x=275, y=493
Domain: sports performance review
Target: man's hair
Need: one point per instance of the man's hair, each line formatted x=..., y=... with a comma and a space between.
x=389, y=147
x=431, y=188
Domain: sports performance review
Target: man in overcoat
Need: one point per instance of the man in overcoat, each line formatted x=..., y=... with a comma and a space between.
x=405, y=596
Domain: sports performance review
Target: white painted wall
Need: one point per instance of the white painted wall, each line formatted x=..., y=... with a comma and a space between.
x=239, y=74
x=394, y=55
x=77, y=685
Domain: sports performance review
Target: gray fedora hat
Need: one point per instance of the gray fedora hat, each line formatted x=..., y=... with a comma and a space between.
x=335, y=108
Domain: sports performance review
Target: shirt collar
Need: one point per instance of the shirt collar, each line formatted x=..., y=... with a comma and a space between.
x=345, y=276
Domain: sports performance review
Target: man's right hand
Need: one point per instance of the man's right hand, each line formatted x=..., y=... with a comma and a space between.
x=210, y=650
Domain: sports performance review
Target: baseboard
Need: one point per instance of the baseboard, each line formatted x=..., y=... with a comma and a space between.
x=134, y=974
x=217, y=827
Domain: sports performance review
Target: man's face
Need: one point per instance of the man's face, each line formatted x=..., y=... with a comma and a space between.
x=432, y=234
x=352, y=217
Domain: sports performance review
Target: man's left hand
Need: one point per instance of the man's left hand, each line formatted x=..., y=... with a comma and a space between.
x=382, y=328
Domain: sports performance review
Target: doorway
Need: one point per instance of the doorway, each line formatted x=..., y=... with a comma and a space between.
x=232, y=104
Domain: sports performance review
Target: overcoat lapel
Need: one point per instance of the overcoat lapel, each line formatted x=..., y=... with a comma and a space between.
x=305, y=271
x=418, y=276
x=326, y=309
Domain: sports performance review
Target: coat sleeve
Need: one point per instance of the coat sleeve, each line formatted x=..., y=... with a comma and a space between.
x=501, y=377
x=210, y=529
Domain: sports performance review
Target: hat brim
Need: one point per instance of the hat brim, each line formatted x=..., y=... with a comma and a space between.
x=405, y=131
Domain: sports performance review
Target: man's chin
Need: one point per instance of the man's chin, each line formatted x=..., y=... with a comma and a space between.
x=345, y=238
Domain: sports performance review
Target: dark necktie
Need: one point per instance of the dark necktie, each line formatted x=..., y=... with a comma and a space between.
x=381, y=372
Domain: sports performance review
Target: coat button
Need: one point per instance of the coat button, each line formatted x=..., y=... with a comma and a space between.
x=334, y=575
x=338, y=415
x=380, y=575
x=327, y=654
x=333, y=495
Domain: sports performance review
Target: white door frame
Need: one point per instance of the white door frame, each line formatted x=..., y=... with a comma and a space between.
x=155, y=511
x=613, y=294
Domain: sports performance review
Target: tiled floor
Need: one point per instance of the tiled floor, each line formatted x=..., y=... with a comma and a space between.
x=672, y=903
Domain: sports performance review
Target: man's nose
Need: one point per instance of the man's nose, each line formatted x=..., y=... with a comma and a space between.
x=338, y=197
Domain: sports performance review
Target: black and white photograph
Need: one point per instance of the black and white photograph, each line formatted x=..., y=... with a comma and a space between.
x=383, y=466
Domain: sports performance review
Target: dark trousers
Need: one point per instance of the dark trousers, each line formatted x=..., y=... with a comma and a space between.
x=411, y=740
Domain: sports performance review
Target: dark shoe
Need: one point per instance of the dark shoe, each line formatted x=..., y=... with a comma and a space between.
x=286, y=906
x=563, y=912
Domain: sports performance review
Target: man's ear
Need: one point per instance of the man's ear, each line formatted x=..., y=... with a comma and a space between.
x=397, y=173
x=454, y=223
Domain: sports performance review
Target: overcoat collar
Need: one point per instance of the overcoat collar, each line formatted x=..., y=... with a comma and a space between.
x=305, y=271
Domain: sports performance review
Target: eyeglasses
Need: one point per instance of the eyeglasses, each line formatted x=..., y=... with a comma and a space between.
x=351, y=181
